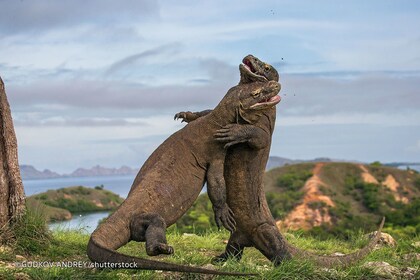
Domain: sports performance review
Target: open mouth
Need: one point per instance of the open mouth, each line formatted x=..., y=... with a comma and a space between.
x=269, y=102
x=249, y=65
x=250, y=69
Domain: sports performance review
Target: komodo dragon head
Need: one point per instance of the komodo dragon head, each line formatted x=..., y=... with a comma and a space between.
x=254, y=70
x=247, y=102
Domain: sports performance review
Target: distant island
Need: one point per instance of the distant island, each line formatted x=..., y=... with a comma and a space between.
x=29, y=172
x=61, y=204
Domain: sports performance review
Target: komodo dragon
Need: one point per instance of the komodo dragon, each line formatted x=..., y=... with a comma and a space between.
x=244, y=172
x=172, y=178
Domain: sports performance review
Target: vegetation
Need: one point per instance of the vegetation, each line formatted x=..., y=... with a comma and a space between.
x=65, y=247
x=358, y=209
x=360, y=205
x=294, y=180
x=282, y=203
x=30, y=235
x=48, y=212
x=57, y=204
x=199, y=218
x=284, y=188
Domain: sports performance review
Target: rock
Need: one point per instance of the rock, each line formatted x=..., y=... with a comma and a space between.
x=208, y=276
x=263, y=267
x=209, y=266
x=225, y=241
x=385, y=239
x=5, y=249
x=416, y=244
x=189, y=234
x=20, y=258
x=338, y=254
x=22, y=276
x=123, y=276
x=333, y=273
x=411, y=257
x=409, y=273
x=7, y=265
x=383, y=269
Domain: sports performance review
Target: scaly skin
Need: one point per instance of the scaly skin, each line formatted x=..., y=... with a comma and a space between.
x=246, y=159
x=172, y=178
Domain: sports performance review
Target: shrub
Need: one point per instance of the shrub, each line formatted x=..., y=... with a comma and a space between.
x=281, y=203
x=80, y=190
x=417, y=182
x=294, y=180
x=199, y=218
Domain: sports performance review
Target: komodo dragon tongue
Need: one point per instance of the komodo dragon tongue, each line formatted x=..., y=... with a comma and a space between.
x=104, y=255
x=331, y=261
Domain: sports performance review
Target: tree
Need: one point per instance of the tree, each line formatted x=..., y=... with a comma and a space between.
x=12, y=195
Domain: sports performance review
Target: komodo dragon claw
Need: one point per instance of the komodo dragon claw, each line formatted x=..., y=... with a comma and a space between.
x=232, y=134
x=225, y=216
x=185, y=116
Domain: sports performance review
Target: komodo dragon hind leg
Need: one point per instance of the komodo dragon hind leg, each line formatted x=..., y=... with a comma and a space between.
x=234, y=249
x=151, y=227
x=270, y=243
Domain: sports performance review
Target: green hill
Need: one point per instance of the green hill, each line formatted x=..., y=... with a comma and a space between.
x=61, y=203
x=331, y=198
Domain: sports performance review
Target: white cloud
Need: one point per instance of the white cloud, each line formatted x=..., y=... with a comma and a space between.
x=76, y=70
x=379, y=119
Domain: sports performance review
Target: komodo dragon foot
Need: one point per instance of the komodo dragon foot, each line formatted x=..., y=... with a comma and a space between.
x=186, y=116
x=151, y=227
x=232, y=134
x=234, y=249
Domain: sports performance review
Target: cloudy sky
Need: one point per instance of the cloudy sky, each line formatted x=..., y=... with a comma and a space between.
x=98, y=82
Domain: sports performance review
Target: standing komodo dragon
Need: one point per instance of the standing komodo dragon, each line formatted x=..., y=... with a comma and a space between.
x=244, y=172
x=171, y=179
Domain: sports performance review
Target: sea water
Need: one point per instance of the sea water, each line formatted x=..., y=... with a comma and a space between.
x=86, y=222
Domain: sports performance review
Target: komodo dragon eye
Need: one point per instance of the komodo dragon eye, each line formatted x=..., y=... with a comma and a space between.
x=267, y=67
x=256, y=93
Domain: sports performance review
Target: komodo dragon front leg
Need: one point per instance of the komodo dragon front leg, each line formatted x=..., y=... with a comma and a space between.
x=216, y=190
x=231, y=134
x=255, y=137
x=189, y=116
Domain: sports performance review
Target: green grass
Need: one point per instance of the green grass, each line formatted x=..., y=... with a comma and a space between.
x=197, y=250
x=27, y=236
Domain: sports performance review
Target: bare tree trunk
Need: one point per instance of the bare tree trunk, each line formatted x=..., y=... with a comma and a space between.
x=12, y=195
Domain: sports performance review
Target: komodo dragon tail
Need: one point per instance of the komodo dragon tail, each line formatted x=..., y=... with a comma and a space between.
x=101, y=249
x=332, y=261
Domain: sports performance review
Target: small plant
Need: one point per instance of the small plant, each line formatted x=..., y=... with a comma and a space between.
x=294, y=180
x=317, y=205
x=80, y=190
x=282, y=203
x=417, y=182
x=376, y=164
x=29, y=235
